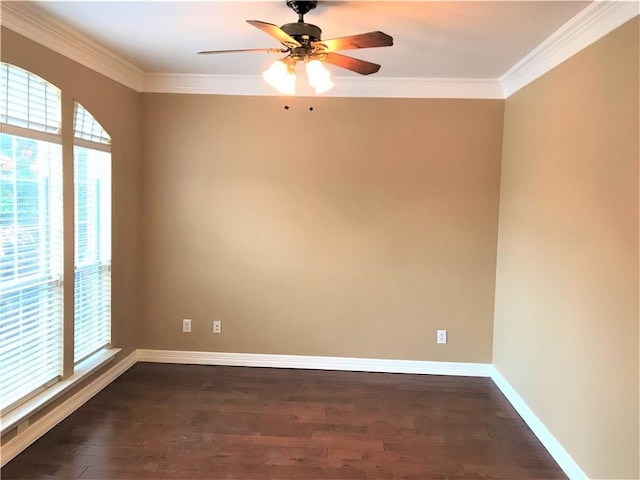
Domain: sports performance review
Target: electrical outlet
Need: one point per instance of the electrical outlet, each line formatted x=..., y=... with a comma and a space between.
x=217, y=326
x=441, y=336
x=186, y=325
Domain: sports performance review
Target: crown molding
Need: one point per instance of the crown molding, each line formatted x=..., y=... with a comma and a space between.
x=205, y=84
x=31, y=22
x=378, y=87
x=591, y=24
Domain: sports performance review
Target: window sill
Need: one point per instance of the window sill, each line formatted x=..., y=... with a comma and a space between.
x=85, y=368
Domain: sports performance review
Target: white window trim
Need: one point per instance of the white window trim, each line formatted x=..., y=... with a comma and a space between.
x=103, y=147
x=33, y=134
x=81, y=371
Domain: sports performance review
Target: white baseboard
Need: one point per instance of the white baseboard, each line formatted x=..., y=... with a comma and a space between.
x=41, y=426
x=553, y=446
x=34, y=431
x=316, y=363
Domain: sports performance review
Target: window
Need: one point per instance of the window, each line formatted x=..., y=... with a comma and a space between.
x=35, y=361
x=31, y=317
x=92, y=229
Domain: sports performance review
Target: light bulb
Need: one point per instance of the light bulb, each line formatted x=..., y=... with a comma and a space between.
x=319, y=77
x=288, y=84
x=274, y=72
x=279, y=76
x=315, y=70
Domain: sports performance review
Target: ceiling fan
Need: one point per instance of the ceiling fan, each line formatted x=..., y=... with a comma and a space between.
x=303, y=42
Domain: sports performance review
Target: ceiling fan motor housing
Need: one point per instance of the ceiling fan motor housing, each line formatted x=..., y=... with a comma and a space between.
x=303, y=32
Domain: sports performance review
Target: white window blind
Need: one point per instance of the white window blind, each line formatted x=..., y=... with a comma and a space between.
x=87, y=128
x=28, y=101
x=31, y=244
x=92, y=228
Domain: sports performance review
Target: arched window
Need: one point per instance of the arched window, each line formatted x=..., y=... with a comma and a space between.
x=92, y=230
x=35, y=360
x=31, y=241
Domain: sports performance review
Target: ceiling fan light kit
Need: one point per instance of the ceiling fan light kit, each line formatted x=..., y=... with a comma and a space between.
x=303, y=42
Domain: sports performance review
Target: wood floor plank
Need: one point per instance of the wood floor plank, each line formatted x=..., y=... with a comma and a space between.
x=160, y=421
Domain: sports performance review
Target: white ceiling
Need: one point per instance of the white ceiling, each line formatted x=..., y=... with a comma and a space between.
x=432, y=39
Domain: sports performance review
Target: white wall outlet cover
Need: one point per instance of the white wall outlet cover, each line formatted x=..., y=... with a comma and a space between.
x=441, y=337
x=186, y=325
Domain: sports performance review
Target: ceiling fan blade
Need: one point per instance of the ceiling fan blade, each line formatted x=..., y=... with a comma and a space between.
x=363, y=40
x=354, y=64
x=267, y=50
x=276, y=32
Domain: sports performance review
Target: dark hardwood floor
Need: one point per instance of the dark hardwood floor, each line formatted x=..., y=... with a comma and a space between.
x=161, y=421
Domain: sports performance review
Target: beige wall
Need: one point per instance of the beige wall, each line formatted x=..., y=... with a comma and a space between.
x=356, y=229
x=566, y=314
x=117, y=108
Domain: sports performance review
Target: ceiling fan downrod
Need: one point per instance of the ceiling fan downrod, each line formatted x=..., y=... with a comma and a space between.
x=301, y=7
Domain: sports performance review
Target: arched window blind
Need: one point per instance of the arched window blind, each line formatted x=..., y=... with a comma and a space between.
x=28, y=101
x=31, y=243
x=92, y=229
